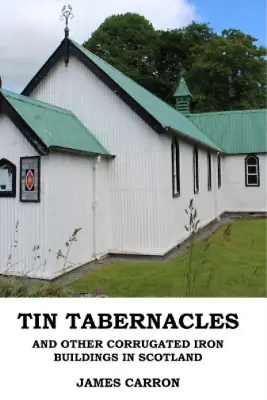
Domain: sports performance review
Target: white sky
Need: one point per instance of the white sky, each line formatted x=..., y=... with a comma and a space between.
x=30, y=30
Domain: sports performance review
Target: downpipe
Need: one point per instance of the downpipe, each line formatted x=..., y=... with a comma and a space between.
x=96, y=161
x=217, y=189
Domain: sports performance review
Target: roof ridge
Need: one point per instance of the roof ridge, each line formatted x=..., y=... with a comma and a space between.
x=100, y=59
x=228, y=112
x=34, y=102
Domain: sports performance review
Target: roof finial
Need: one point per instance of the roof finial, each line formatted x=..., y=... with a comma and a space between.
x=67, y=14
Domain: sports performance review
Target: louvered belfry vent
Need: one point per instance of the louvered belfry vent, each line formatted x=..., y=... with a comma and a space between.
x=183, y=97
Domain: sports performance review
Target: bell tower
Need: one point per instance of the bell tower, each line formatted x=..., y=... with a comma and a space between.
x=182, y=96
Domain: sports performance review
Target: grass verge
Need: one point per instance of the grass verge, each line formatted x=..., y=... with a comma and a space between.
x=227, y=268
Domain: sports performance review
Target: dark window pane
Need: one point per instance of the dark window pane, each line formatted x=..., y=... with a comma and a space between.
x=252, y=179
x=251, y=161
x=209, y=171
x=252, y=169
x=195, y=170
x=177, y=168
x=219, y=172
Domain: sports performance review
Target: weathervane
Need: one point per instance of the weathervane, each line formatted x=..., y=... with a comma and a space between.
x=67, y=14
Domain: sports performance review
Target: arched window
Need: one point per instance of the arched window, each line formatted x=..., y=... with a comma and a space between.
x=195, y=170
x=252, y=171
x=219, y=160
x=7, y=178
x=175, y=169
x=209, y=171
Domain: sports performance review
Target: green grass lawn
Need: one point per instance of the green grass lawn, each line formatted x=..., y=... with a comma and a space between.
x=227, y=268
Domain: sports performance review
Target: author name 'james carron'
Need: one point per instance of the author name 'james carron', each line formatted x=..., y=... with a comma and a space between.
x=128, y=382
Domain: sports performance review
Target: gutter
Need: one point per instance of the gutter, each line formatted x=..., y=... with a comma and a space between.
x=191, y=140
x=79, y=152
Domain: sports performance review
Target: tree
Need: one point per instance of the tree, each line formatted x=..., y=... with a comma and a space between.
x=170, y=59
x=175, y=51
x=128, y=43
x=228, y=73
x=224, y=71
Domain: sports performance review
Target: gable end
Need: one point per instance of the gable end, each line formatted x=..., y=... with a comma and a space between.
x=44, y=70
x=134, y=105
x=73, y=51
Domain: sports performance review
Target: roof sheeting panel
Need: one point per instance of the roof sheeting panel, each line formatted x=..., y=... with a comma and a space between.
x=55, y=126
x=236, y=132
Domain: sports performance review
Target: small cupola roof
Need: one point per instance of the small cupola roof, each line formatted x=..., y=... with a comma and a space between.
x=182, y=89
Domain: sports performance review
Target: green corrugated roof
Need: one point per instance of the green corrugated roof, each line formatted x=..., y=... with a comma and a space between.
x=182, y=89
x=235, y=132
x=56, y=127
x=166, y=115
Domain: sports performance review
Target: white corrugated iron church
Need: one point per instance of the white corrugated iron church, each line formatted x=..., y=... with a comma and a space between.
x=85, y=147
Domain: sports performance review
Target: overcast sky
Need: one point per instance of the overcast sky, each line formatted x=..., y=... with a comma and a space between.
x=30, y=30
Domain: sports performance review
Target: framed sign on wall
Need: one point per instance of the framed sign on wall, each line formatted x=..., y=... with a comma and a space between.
x=30, y=179
x=7, y=178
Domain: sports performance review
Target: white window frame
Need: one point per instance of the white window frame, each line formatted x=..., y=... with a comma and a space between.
x=175, y=152
x=257, y=168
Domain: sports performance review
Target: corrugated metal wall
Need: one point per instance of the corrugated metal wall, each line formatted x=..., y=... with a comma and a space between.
x=31, y=218
x=69, y=207
x=67, y=199
x=237, y=196
x=102, y=209
x=207, y=203
x=142, y=217
x=133, y=183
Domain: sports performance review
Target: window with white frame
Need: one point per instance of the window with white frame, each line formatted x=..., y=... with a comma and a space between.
x=252, y=171
x=175, y=168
